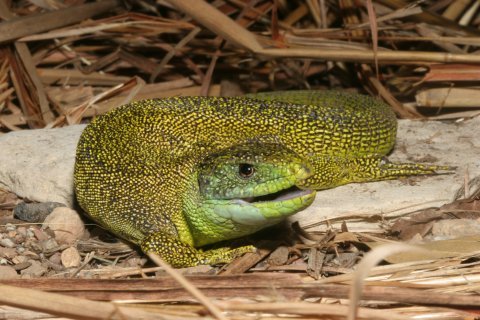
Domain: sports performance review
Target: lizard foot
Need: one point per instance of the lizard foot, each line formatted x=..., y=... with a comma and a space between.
x=181, y=255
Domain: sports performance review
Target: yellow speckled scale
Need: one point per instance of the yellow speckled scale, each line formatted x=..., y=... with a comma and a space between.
x=138, y=167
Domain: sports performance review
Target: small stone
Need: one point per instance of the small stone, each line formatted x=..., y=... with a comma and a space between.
x=201, y=269
x=30, y=233
x=56, y=258
x=8, y=253
x=19, y=239
x=20, y=249
x=10, y=227
x=35, y=212
x=12, y=234
x=7, y=272
x=133, y=262
x=454, y=228
x=22, y=231
x=22, y=265
x=36, y=269
x=49, y=245
x=279, y=256
x=33, y=246
x=30, y=254
x=66, y=224
x=54, y=267
x=70, y=258
x=39, y=234
x=19, y=259
x=7, y=242
x=3, y=261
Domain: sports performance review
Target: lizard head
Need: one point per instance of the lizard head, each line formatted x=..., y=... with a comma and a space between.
x=249, y=187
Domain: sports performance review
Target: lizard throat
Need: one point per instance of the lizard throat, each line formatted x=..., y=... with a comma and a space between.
x=237, y=217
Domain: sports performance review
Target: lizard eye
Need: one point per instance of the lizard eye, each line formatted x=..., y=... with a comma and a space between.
x=245, y=170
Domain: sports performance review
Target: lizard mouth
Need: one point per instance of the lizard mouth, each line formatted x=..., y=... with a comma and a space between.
x=282, y=195
x=246, y=215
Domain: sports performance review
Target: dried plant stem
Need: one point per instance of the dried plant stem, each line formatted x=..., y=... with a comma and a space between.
x=303, y=308
x=188, y=286
x=62, y=305
x=222, y=25
x=30, y=24
x=364, y=267
x=218, y=22
x=392, y=57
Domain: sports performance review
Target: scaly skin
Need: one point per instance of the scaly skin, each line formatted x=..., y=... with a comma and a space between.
x=169, y=174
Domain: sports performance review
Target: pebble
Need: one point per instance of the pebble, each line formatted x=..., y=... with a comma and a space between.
x=30, y=254
x=41, y=235
x=7, y=253
x=279, y=256
x=33, y=246
x=49, y=245
x=22, y=231
x=7, y=272
x=19, y=259
x=22, y=265
x=66, y=224
x=36, y=269
x=30, y=233
x=201, y=269
x=19, y=239
x=56, y=258
x=35, y=212
x=454, y=228
x=7, y=242
x=70, y=257
x=133, y=262
x=54, y=267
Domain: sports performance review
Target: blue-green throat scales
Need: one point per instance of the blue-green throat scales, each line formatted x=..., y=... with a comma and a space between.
x=175, y=174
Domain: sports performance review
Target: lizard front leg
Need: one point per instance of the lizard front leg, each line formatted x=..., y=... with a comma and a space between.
x=180, y=255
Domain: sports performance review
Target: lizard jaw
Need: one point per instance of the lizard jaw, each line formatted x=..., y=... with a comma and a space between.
x=233, y=218
x=269, y=212
x=282, y=195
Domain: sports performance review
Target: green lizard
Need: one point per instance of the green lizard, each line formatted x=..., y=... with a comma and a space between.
x=175, y=174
